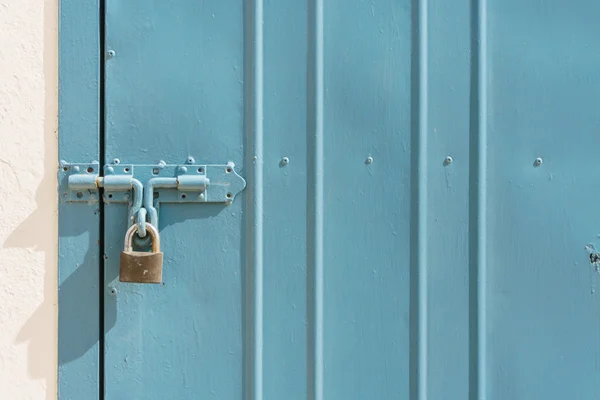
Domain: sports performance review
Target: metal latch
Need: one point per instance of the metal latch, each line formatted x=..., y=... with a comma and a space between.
x=145, y=186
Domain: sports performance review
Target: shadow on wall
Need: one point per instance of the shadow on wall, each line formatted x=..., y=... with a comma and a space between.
x=38, y=231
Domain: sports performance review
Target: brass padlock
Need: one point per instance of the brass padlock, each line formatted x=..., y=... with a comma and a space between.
x=141, y=266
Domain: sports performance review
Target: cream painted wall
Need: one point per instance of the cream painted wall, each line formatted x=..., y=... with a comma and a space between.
x=28, y=207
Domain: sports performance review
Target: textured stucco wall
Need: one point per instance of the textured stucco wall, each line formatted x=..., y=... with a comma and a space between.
x=28, y=216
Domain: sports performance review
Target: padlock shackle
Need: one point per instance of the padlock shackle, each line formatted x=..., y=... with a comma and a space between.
x=153, y=234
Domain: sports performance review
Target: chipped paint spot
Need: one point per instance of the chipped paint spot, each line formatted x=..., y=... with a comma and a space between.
x=594, y=257
x=590, y=248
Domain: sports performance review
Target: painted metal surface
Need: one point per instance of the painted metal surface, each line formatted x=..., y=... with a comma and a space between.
x=79, y=223
x=307, y=273
x=420, y=195
x=543, y=96
x=410, y=244
x=191, y=328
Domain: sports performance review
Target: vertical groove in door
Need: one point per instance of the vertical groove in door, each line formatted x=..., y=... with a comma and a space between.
x=257, y=208
x=102, y=141
x=477, y=202
x=314, y=240
x=253, y=388
x=418, y=257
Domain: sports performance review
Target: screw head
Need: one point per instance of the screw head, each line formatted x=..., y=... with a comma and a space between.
x=116, y=161
x=369, y=160
x=190, y=160
x=538, y=161
x=113, y=291
x=110, y=53
x=285, y=161
x=448, y=160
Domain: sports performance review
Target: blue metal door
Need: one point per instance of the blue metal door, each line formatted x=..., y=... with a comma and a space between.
x=420, y=213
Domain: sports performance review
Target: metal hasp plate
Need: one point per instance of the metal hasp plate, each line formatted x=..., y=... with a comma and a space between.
x=144, y=187
x=193, y=183
x=78, y=182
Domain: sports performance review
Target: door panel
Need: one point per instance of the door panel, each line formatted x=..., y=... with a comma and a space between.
x=79, y=254
x=285, y=203
x=366, y=206
x=544, y=96
x=175, y=89
x=368, y=264
x=447, y=241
